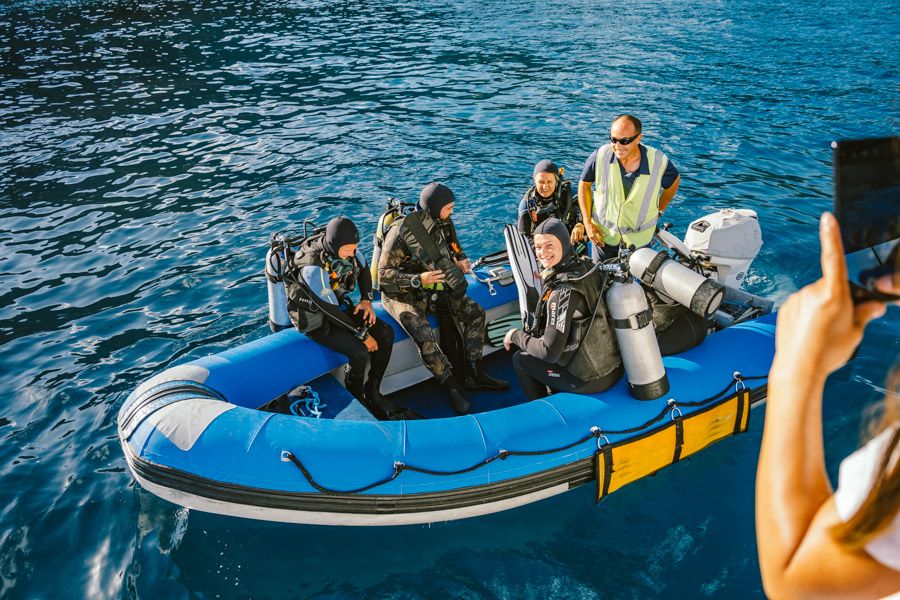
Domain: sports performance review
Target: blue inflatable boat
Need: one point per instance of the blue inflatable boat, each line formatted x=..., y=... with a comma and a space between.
x=195, y=434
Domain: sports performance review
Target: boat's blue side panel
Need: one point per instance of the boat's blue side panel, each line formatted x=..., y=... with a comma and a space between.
x=261, y=370
x=340, y=455
x=244, y=446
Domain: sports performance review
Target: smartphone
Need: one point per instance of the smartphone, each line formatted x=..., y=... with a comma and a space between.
x=867, y=206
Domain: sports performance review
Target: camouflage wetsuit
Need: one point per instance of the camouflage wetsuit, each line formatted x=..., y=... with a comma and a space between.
x=398, y=273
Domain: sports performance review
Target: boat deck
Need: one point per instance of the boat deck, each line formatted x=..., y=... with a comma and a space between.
x=427, y=398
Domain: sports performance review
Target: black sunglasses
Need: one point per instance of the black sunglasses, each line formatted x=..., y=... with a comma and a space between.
x=623, y=141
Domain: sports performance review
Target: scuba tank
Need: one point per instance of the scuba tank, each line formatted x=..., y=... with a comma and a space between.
x=632, y=322
x=395, y=210
x=676, y=281
x=275, y=265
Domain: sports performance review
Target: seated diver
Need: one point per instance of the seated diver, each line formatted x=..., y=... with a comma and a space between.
x=573, y=347
x=327, y=269
x=550, y=196
x=421, y=271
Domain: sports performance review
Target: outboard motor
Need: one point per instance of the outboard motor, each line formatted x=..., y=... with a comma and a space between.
x=676, y=281
x=727, y=242
x=275, y=265
x=633, y=325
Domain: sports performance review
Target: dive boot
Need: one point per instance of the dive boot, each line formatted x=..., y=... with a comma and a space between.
x=457, y=395
x=382, y=408
x=478, y=379
x=353, y=381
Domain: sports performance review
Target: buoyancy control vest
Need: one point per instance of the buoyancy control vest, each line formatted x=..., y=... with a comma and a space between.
x=558, y=205
x=434, y=246
x=591, y=351
x=342, y=276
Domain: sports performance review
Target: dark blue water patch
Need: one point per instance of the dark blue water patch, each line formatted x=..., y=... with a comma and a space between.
x=148, y=150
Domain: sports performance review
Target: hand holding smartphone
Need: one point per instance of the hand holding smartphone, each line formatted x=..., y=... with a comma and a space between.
x=867, y=206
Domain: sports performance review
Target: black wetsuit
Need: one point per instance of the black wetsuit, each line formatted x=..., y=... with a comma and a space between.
x=538, y=363
x=535, y=209
x=336, y=330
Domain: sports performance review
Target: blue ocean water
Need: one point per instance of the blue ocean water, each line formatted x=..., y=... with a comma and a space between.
x=149, y=148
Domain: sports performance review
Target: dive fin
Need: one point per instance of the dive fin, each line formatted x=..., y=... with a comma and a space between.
x=496, y=329
x=525, y=271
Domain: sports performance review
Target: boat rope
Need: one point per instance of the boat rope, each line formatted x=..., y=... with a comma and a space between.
x=310, y=399
x=670, y=409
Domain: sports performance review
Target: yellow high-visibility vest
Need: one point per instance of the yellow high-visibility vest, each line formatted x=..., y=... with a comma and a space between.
x=633, y=218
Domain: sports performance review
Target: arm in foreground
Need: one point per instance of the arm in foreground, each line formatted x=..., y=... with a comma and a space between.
x=818, y=329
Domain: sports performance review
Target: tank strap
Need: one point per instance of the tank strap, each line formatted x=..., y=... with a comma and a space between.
x=650, y=272
x=635, y=321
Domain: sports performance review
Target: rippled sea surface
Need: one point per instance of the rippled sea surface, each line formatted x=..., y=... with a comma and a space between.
x=148, y=149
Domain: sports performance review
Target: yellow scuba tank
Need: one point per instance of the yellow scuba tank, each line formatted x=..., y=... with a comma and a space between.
x=395, y=210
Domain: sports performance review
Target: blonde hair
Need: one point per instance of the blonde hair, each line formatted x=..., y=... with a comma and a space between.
x=883, y=502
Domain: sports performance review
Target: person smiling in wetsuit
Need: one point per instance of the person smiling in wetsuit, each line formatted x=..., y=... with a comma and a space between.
x=573, y=348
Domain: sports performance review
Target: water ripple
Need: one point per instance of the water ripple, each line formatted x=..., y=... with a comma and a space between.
x=148, y=149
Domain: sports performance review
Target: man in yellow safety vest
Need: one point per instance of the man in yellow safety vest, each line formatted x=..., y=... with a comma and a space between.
x=624, y=188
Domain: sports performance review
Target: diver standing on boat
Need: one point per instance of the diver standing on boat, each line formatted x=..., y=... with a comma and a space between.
x=327, y=269
x=422, y=270
x=572, y=348
x=550, y=196
x=633, y=185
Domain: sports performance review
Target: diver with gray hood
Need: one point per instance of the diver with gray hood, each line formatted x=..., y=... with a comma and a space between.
x=550, y=196
x=325, y=270
x=422, y=271
x=572, y=347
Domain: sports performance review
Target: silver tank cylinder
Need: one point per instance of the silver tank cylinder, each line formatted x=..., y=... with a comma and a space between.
x=633, y=325
x=278, y=312
x=689, y=288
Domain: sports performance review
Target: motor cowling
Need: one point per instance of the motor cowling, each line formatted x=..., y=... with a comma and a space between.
x=632, y=322
x=689, y=288
x=278, y=312
x=730, y=239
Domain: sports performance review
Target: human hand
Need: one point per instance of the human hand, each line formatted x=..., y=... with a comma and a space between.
x=818, y=327
x=593, y=233
x=465, y=265
x=429, y=277
x=507, y=339
x=371, y=344
x=368, y=312
x=578, y=233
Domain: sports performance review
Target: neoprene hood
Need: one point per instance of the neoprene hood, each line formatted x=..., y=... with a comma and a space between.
x=546, y=166
x=557, y=229
x=434, y=197
x=340, y=231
